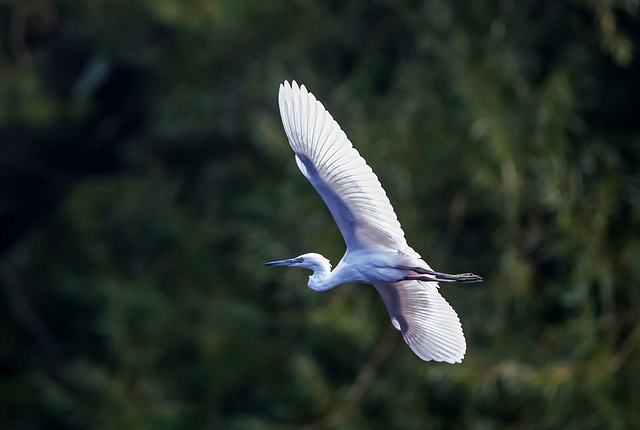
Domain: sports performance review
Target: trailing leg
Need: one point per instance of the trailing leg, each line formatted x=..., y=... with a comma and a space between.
x=443, y=277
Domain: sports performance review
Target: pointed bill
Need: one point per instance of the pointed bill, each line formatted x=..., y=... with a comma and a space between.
x=288, y=262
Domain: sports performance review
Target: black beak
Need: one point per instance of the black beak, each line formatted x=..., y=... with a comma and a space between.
x=288, y=262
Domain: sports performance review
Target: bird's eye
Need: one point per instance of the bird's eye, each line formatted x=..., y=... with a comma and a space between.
x=301, y=260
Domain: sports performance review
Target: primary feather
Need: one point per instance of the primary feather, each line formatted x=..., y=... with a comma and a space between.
x=427, y=322
x=339, y=174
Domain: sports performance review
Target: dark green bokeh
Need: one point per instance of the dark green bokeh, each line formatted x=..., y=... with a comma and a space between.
x=145, y=177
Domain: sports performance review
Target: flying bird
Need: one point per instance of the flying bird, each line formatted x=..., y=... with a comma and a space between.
x=377, y=251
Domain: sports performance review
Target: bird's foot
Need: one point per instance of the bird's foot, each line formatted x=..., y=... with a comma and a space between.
x=465, y=278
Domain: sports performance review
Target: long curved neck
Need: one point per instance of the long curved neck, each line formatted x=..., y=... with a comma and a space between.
x=321, y=278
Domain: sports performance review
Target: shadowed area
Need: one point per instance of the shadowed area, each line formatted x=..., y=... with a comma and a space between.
x=145, y=178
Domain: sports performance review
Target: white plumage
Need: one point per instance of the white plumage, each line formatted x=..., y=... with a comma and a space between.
x=334, y=167
x=377, y=252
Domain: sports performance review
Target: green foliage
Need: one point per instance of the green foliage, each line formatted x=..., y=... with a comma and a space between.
x=505, y=134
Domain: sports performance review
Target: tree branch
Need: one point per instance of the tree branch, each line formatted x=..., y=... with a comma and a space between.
x=625, y=351
x=32, y=323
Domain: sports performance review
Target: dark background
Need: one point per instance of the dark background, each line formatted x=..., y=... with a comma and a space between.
x=145, y=177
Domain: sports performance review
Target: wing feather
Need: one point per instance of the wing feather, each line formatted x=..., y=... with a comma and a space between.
x=428, y=324
x=348, y=186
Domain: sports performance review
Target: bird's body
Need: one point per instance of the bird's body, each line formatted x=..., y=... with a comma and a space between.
x=361, y=267
x=377, y=252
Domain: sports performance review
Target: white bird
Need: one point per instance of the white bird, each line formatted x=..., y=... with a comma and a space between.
x=377, y=252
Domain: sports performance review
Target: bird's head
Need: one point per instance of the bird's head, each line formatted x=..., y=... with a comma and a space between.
x=311, y=261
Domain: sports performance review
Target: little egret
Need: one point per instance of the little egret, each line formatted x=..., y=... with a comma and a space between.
x=377, y=251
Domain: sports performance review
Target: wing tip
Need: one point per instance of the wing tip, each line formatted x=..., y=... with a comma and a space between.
x=285, y=89
x=448, y=360
x=294, y=89
x=452, y=357
x=434, y=331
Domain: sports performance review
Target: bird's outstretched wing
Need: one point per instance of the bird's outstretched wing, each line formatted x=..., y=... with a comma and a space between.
x=336, y=170
x=427, y=322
